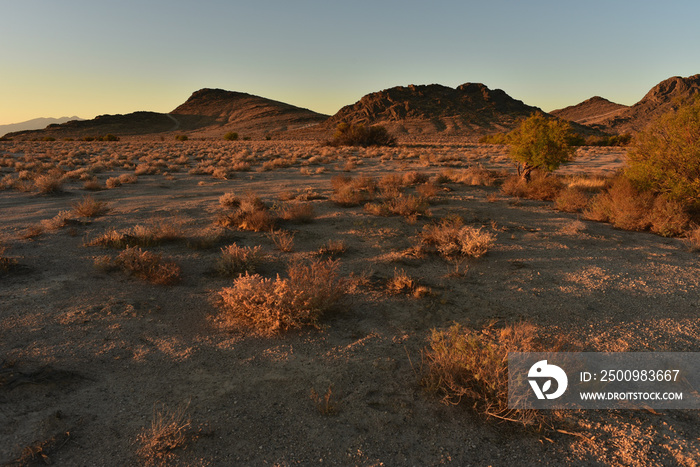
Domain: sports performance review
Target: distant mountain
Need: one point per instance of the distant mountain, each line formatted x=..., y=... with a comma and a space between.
x=220, y=111
x=471, y=109
x=591, y=112
x=665, y=96
x=34, y=124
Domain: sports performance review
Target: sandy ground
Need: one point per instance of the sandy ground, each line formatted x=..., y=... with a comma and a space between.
x=87, y=356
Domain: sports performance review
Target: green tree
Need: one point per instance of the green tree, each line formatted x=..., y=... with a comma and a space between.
x=665, y=157
x=541, y=143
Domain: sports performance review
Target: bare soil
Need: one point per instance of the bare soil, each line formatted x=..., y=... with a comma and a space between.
x=87, y=355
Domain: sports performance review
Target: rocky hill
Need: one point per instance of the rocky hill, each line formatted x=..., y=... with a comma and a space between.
x=34, y=124
x=471, y=109
x=218, y=111
x=591, y=112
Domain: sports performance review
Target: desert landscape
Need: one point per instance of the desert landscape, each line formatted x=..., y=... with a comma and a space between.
x=220, y=286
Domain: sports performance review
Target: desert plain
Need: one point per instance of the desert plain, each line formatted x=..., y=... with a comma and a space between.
x=92, y=358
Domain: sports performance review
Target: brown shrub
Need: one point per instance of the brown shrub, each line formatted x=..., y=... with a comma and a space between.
x=296, y=211
x=169, y=431
x=236, y=260
x=348, y=191
x=622, y=205
x=451, y=238
x=541, y=187
x=89, y=207
x=148, y=266
x=692, y=238
x=333, y=248
x=668, y=217
x=272, y=306
x=113, y=182
x=229, y=200
x=464, y=365
x=571, y=200
x=283, y=240
x=49, y=183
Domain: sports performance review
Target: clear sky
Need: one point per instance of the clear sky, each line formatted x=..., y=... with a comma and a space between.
x=91, y=57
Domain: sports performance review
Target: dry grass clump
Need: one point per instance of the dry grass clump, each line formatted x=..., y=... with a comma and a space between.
x=139, y=235
x=113, y=182
x=295, y=211
x=60, y=220
x=229, y=200
x=348, y=191
x=283, y=240
x=402, y=283
x=463, y=365
x=144, y=265
x=474, y=176
x=273, y=306
x=49, y=183
x=451, y=238
x=251, y=213
x=541, y=186
x=571, y=199
x=169, y=431
x=427, y=190
x=235, y=260
x=587, y=183
x=92, y=185
x=89, y=207
x=333, y=248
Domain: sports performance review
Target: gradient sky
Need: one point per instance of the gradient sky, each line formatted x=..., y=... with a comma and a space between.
x=88, y=57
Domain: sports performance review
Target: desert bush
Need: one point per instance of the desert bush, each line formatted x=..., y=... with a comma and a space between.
x=6, y=263
x=462, y=365
x=125, y=179
x=139, y=235
x=348, y=191
x=60, y=220
x=169, y=431
x=49, y=183
x=450, y=238
x=622, y=205
x=295, y=211
x=668, y=217
x=283, y=240
x=541, y=186
x=229, y=200
x=236, y=260
x=231, y=136
x=250, y=214
x=665, y=157
x=92, y=185
x=147, y=266
x=181, y=137
x=113, y=182
x=89, y=207
x=348, y=134
x=402, y=283
x=272, y=306
x=427, y=190
x=333, y=248
x=540, y=143
x=474, y=176
x=692, y=238
x=571, y=200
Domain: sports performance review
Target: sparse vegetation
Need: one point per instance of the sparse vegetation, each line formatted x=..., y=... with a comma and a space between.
x=273, y=306
x=451, y=238
x=349, y=191
x=235, y=260
x=283, y=240
x=89, y=207
x=169, y=431
x=463, y=365
x=144, y=265
x=49, y=183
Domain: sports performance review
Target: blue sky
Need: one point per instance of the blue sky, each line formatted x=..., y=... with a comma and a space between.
x=79, y=57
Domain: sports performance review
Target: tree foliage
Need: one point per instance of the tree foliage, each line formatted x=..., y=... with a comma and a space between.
x=540, y=143
x=665, y=157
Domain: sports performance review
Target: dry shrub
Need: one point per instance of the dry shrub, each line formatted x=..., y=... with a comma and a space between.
x=325, y=404
x=541, y=187
x=89, y=207
x=296, y=211
x=348, y=191
x=127, y=179
x=451, y=238
x=475, y=176
x=113, y=182
x=169, y=431
x=49, y=183
x=414, y=178
x=273, y=306
x=588, y=183
x=251, y=214
x=402, y=283
x=236, y=260
x=229, y=200
x=465, y=365
x=333, y=248
x=622, y=205
x=283, y=240
x=668, y=217
x=692, y=238
x=5, y=263
x=427, y=190
x=32, y=231
x=148, y=266
x=571, y=199
x=92, y=185
x=60, y=220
